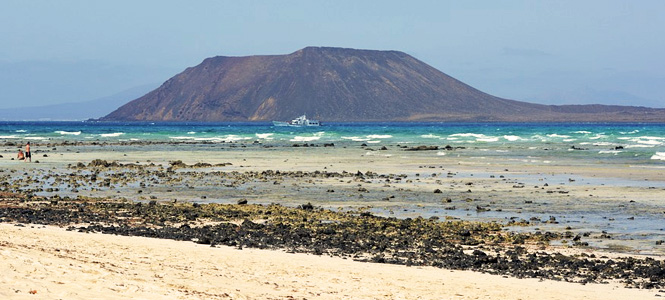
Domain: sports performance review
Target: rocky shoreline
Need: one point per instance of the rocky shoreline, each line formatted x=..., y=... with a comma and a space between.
x=358, y=235
x=446, y=211
x=427, y=190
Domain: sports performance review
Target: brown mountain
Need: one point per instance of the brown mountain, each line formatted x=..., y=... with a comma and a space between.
x=335, y=84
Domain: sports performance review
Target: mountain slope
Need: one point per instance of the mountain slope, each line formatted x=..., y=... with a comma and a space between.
x=336, y=84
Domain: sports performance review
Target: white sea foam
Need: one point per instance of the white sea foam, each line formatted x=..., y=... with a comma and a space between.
x=639, y=146
x=264, y=135
x=233, y=138
x=488, y=139
x=305, y=138
x=8, y=137
x=379, y=136
x=476, y=135
x=652, y=138
x=373, y=142
x=192, y=132
x=430, y=136
x=199, y=139
x=582, y=131
x=214, y=139
x=645, y=140
x=659, y=156
x=441, y=153
x=68, y=132
x=615, y=152
x=21, y=130
x=650, y=142
x=632, y=132
x=512, y=138
x=569, y=140
x=355, y=138
x=554, y=135
x=39, y=138
x=115, y=134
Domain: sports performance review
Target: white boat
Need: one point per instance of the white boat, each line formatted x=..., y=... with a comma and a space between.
x=301, y=121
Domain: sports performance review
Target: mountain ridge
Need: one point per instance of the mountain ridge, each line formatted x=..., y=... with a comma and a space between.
x=342, y=84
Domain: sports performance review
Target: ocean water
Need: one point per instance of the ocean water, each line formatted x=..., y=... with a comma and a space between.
x=610, y=143
x=587, y=144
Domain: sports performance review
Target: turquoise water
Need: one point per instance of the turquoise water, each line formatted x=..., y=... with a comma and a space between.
x=638, y=224
x=620, y=143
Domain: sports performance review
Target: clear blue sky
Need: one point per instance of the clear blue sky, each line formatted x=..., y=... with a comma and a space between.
x=539, y=51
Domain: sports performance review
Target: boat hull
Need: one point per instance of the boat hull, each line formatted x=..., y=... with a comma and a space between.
x=281, y=124
x=301, y=121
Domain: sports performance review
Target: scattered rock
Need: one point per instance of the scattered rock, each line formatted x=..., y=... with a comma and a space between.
x=422, y=148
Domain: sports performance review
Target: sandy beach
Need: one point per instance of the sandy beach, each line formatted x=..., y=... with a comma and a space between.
x=325, y=150
x=45, y=262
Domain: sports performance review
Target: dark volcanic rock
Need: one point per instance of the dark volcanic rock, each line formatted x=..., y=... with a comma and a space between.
x=364, y=237
x=336, y=84
x=423, y=148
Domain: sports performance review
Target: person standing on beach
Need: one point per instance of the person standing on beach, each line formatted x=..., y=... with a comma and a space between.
x=28, y=155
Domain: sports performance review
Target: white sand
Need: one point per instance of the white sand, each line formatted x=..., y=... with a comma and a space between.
x=53, y=263
x=57, y=264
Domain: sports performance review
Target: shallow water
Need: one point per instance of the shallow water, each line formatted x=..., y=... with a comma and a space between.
x=636, y=142
x=630, y=147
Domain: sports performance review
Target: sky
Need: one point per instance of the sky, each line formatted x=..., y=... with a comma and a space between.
x=551, y=52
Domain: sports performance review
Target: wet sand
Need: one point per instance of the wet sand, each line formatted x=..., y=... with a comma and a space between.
x=616, y=207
